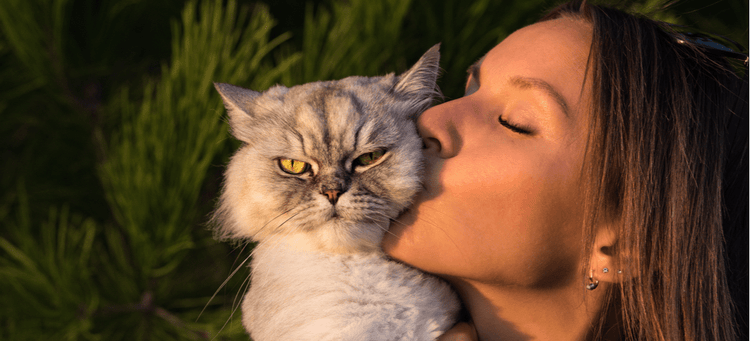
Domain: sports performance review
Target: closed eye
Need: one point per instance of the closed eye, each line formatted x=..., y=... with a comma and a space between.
x=514, y=127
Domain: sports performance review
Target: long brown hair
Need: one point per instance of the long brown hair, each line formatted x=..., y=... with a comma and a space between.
x=667, y=156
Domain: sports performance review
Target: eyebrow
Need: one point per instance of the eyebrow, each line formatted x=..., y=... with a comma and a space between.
x=540, y=84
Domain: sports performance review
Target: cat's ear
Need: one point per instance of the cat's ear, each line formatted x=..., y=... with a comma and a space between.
x=239, y=104
x=419, y=83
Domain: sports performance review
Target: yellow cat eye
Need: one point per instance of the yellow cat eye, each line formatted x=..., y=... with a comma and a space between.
x=293, y=167
x=367, y=159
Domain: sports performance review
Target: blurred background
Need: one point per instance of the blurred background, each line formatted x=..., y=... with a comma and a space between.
x=113, y=139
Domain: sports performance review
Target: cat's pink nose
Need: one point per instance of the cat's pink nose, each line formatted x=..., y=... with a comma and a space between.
x=332, y=194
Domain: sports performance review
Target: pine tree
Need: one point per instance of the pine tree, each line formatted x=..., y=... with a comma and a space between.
x=114, y=141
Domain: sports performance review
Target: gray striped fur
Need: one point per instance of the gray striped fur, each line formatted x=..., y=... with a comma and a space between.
x=328, y=125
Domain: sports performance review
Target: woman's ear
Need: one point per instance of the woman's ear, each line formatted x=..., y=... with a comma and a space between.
x=604, y=266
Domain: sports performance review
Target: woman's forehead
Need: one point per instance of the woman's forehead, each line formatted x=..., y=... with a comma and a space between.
x=555, y=51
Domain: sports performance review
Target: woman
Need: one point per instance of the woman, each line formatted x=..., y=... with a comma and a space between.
x=579, y=189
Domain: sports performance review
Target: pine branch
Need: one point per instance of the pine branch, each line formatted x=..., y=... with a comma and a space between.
x=356, y=37
x=157, y=163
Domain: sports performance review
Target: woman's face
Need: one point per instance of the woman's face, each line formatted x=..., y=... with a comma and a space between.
x=503, y=197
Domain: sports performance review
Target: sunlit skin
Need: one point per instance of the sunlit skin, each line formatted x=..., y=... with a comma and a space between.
x=501, y=214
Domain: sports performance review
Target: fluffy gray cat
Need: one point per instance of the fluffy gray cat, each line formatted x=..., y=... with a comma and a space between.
x=323, y=169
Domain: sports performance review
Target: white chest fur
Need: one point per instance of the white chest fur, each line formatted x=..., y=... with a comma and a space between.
x=306, y=295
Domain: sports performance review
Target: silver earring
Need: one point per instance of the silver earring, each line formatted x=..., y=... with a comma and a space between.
x=605, y=270
x=592, y=282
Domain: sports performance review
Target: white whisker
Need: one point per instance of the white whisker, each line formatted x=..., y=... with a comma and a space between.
x=234, y=309
x=281, y=214
x=224, y=283
x=242, y=290
x=378, y=225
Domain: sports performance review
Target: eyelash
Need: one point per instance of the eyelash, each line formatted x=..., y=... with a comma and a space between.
x=514, y=128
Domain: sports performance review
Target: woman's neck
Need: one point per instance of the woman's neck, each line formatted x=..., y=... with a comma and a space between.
x=502, y=313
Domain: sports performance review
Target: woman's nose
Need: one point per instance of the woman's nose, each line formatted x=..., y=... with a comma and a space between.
x=437, y=127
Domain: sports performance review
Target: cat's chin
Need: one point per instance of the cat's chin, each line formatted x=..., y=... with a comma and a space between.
x=338, y=235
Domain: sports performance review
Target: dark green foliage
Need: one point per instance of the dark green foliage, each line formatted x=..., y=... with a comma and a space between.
x=113, y=140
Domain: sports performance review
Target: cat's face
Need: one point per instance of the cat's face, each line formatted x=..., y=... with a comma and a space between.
x=333, y=160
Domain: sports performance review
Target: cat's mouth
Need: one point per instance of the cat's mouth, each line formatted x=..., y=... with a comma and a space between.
x=339, y=215
x=334, y=213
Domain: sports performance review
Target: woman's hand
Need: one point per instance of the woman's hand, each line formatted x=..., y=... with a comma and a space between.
x=462, y=331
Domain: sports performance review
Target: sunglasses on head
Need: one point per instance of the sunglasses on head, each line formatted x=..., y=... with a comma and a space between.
x=713, y=44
